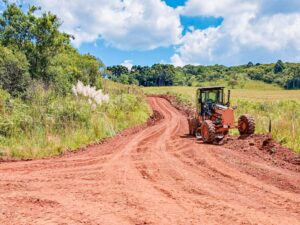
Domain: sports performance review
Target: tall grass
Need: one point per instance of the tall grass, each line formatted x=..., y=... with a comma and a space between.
x=280, y=106
x=47, y=124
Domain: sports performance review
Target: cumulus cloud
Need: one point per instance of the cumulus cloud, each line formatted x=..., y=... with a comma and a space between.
x=197, y=45
x=248, y=27
x=126, y=24
x=217, y=7
x=251, y=29
x=128, y=64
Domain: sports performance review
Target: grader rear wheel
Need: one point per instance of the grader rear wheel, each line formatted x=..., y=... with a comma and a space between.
x=208, y=131
x=246, y=125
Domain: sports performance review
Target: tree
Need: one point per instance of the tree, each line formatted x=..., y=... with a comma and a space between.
x=163, y=74
x=14, y=76
x=38, y=37
x=68, y=67
x=118, y=70
x=279, y=67
x=250, y=64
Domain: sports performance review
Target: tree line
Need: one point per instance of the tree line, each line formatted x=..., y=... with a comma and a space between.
x=286, y=75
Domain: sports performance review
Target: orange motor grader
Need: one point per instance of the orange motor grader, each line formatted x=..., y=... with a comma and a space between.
x=214, y=117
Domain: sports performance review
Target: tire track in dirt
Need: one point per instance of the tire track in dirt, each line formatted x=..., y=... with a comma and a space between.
x=155, y=176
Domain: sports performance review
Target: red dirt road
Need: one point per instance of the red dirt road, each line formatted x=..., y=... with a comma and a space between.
x=155, y=176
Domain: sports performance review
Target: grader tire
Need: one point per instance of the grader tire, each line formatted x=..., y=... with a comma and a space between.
x=246, y=125
x=208, y=131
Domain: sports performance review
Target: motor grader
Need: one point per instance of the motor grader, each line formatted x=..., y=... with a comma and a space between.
x=214, y=116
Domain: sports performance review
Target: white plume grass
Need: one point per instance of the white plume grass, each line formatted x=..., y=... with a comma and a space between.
x=94, y=97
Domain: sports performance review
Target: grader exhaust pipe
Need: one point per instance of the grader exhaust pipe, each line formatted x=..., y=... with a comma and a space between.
x=228, y=98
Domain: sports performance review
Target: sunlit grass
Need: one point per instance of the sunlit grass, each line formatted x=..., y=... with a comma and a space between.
x=246, y=94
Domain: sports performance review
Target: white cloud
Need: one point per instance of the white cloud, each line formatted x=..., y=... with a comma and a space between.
x=197, y=45
x=251, y=30
x=127, y=63
x=126, y=24
x=217, y=7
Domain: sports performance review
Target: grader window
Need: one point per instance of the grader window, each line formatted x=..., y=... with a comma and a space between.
x=213, y=96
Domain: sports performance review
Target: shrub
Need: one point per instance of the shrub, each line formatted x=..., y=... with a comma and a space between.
x=14, y=76
x=69, y=66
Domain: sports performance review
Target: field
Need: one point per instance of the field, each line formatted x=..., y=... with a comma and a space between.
x=282, y=107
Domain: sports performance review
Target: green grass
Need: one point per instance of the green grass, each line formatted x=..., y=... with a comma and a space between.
x=282, y=107
x=243, y=84
x=265, y=94
x=48, y=125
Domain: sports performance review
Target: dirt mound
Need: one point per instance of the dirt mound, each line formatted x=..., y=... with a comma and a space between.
x=264, y=147
x=155, y=117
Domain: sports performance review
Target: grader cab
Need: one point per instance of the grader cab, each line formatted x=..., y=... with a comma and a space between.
x=214, y=116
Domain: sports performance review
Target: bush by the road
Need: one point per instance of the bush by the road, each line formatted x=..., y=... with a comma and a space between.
x=14, y=75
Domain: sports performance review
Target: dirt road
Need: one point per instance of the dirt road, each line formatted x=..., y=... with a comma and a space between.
x=155, y=176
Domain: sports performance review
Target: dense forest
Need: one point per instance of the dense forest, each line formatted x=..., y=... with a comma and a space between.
x=286, y=75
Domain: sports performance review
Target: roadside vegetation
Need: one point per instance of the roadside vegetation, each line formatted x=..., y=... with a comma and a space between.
x=40, y=113
x=282, y=107
x=48, y=124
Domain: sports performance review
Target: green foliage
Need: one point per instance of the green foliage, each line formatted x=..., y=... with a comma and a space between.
x=157, y=75
x=39, y=47
x=37, y=37
x=14, y=76
x=117, y=71
x=285, y=75
x=48, y=124
x=279, y=67
x=66, y=68
x=250, y=64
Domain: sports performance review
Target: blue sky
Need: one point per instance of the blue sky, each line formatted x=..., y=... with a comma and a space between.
x=181, y=32
x=113, y=56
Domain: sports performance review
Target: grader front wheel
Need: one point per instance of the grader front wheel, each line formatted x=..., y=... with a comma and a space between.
x=246, y=125
x=208, y=131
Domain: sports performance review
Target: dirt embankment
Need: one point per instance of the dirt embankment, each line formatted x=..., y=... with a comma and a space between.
x=155, y=175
